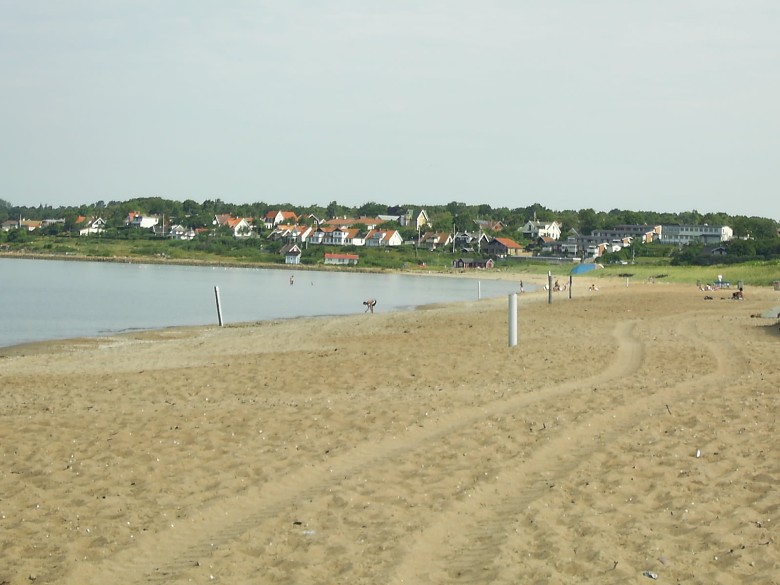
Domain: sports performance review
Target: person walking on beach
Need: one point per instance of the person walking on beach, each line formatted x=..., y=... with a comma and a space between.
x=292, y=279
x=370, y=304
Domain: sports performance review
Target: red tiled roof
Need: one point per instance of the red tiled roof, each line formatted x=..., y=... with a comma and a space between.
x=509, y=243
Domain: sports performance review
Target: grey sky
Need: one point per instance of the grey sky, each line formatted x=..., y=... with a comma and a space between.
x=662, y=105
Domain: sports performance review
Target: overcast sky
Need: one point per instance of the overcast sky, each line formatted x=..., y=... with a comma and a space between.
x=662, y=105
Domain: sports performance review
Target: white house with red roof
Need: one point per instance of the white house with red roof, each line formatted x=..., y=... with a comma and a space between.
x=341, y=259
x=380, y=238
x=343, y=237
x=276, y=216
x=434, y=240
x=489, y=224
x=240, y=226
x=318, y=236
x=291, y=233
x=503, y=247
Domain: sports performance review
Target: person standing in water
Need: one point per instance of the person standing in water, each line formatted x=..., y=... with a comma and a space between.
x=370, y=304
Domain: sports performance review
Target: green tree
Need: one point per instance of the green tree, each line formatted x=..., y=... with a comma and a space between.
x=53, y=229
x=692, y=217
x=5, y=210
x=588, y=221
x=371, y=209
x=688, y=254
x=568, y=220
x=442, y=221
x=190, y=207
x=741, y=248
x=761, y=228
x=19, y=236
x=540, y=212
x=335, y=210
x=769, y=248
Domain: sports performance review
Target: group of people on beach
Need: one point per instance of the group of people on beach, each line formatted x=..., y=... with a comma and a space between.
x=557, y=287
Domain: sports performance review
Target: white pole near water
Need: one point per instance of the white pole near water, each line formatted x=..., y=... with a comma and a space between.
x=479, y=290
x=549, y=288
x=512, y=319
x=219, y=307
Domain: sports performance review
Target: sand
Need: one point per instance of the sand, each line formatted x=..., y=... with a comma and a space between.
x=631, y=430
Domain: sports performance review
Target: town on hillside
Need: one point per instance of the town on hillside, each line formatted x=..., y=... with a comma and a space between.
x=470, y=240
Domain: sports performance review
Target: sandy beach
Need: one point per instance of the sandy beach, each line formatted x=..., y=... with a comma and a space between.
x=630, y=434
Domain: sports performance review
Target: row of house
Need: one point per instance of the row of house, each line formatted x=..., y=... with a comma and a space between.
x=371, y=234
x=408, y=218
x=666, y=234
x=91, y=226
x=342, y=231
x=18, y=224
x=470, y=242
x=602, y=241
x=336, y=236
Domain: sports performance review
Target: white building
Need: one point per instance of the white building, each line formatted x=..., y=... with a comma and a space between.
x=137, y=220
x=95, y=225
x=542, y=229
x=685, y=234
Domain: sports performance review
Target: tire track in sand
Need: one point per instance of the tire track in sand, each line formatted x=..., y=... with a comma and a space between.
x=159, y=556
x=467, y=538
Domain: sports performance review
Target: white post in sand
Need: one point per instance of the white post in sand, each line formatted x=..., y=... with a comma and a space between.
x=512, y=319
x=219, y=307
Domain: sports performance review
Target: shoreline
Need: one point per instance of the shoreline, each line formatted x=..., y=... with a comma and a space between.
x=233, y=264
x=538, y=295
x=68, y=343
x=132, y=326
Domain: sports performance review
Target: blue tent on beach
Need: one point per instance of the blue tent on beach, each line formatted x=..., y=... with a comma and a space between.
x=584, y=268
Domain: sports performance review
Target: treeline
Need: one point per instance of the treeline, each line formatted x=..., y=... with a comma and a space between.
x=453, y=215
x=737, y=252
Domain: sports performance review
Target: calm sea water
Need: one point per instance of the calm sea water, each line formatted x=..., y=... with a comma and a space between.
x=48, y=299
